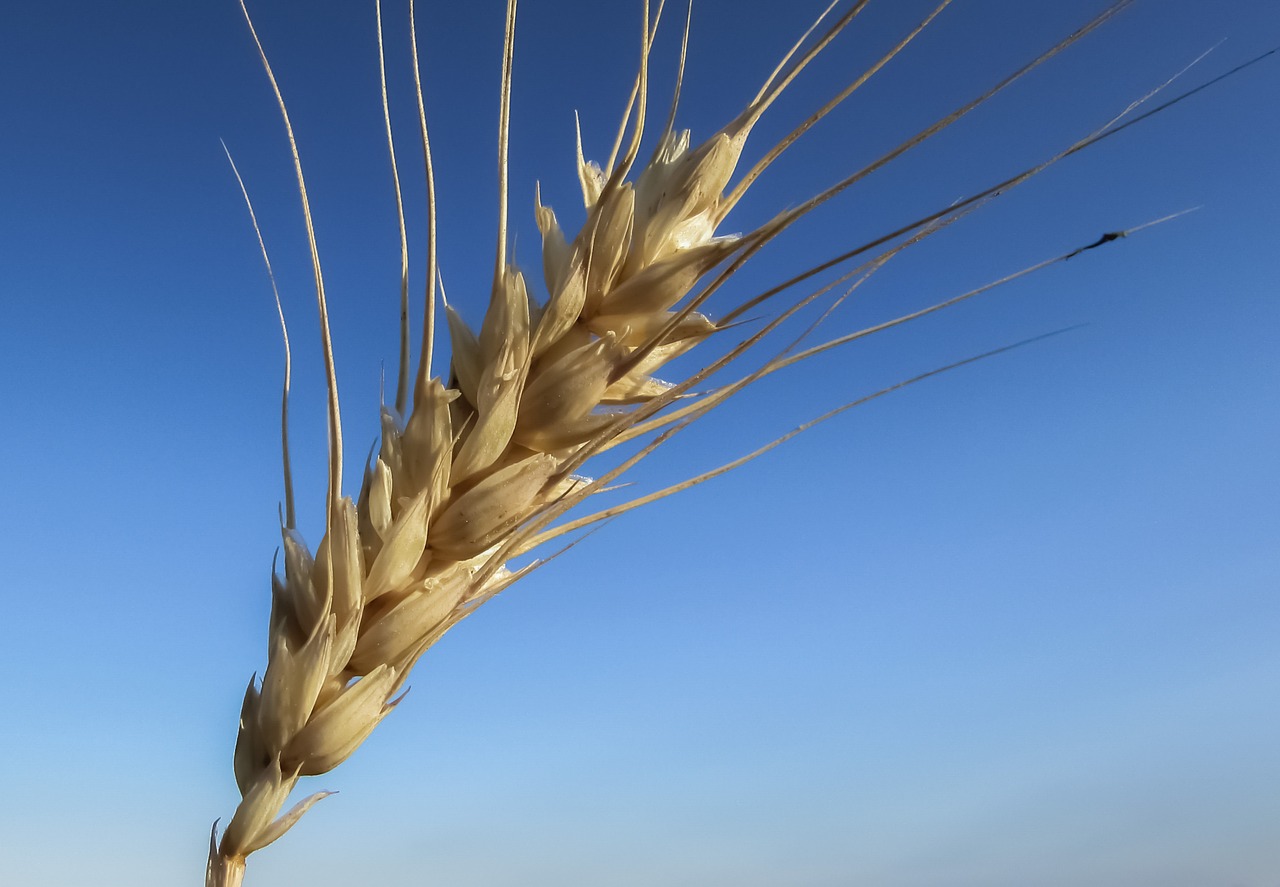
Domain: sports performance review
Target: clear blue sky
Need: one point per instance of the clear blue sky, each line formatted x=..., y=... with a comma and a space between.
x=1015, y=626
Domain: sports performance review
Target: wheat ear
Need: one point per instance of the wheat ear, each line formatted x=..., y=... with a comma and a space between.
x=482, y=466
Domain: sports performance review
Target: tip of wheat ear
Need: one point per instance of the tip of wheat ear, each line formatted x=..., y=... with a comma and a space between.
x=484, y=464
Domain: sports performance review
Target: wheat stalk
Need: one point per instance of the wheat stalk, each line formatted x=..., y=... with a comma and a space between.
x=481, y=467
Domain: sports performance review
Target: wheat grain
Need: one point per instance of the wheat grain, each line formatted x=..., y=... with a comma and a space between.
x=481, y=466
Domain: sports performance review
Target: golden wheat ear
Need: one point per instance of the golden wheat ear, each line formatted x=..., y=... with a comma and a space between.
x=483, y=464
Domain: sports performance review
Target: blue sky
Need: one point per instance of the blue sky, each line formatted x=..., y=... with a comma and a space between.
x=1015, y=625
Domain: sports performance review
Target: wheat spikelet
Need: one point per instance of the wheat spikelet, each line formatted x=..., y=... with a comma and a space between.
x=481, y=466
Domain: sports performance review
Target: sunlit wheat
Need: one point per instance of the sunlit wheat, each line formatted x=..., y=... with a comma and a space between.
x=481, y=466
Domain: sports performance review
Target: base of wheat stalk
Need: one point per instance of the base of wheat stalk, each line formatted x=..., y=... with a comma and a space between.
x=479, y=468
x=223, y=871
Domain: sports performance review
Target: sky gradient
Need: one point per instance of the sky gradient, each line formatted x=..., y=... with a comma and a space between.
x=1012, y=626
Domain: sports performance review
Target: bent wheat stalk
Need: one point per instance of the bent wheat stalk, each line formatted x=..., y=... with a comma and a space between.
x=481, y=466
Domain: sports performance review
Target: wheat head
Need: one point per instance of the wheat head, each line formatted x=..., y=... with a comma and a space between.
x=480, y=467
